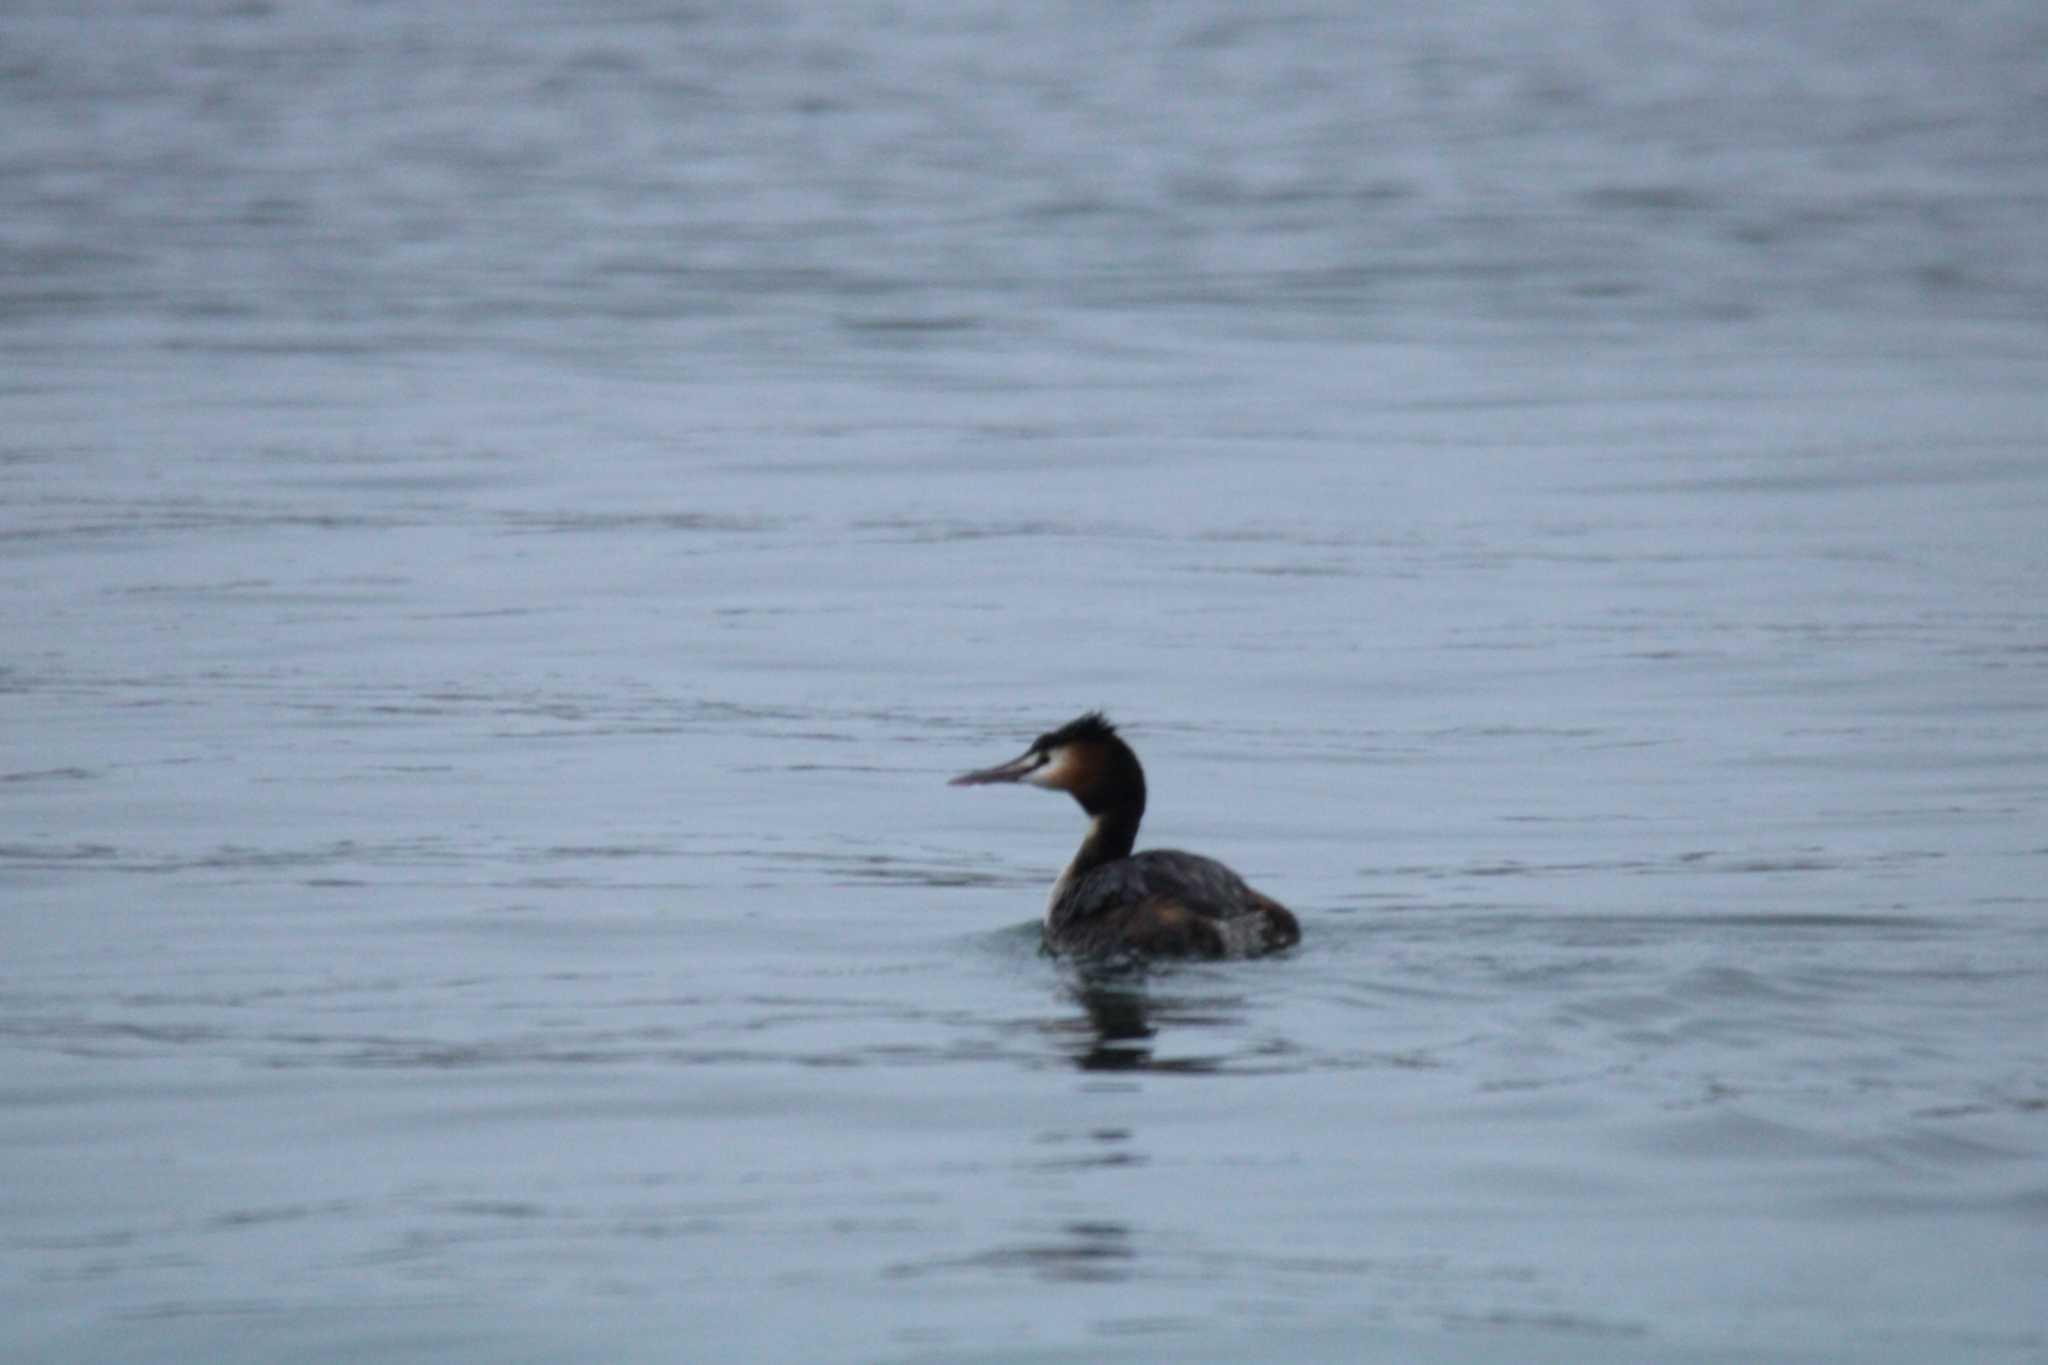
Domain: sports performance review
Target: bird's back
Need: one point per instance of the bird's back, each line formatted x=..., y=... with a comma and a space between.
x=1164, y=901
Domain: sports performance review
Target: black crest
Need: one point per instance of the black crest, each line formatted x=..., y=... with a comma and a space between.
x=1093, y=726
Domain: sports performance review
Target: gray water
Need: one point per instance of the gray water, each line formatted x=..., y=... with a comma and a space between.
x=509, y=514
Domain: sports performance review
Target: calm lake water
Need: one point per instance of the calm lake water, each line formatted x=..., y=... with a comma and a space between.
x=509, y=514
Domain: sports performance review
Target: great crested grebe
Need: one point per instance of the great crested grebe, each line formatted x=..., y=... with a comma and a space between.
x=1112, y=901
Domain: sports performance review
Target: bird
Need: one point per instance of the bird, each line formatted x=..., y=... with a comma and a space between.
x=1112, y=902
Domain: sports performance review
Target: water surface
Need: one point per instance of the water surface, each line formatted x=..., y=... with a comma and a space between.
x=509, y=516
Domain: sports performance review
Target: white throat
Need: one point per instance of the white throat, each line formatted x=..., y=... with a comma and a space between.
x=1059, y=891
x=1068, y=876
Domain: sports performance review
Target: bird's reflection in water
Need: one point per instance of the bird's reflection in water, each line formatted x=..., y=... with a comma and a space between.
x=1119, y=1020
x=1124, y=1018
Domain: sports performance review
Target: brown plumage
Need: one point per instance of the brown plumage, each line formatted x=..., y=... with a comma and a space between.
x=1111, y=901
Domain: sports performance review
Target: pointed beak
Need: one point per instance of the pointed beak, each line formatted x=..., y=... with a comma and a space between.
x=1016, y=770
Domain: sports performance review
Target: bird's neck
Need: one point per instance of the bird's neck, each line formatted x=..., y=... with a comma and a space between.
x=1112, y=836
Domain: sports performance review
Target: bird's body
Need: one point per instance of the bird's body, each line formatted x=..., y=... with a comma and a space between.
x=1113, y=902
